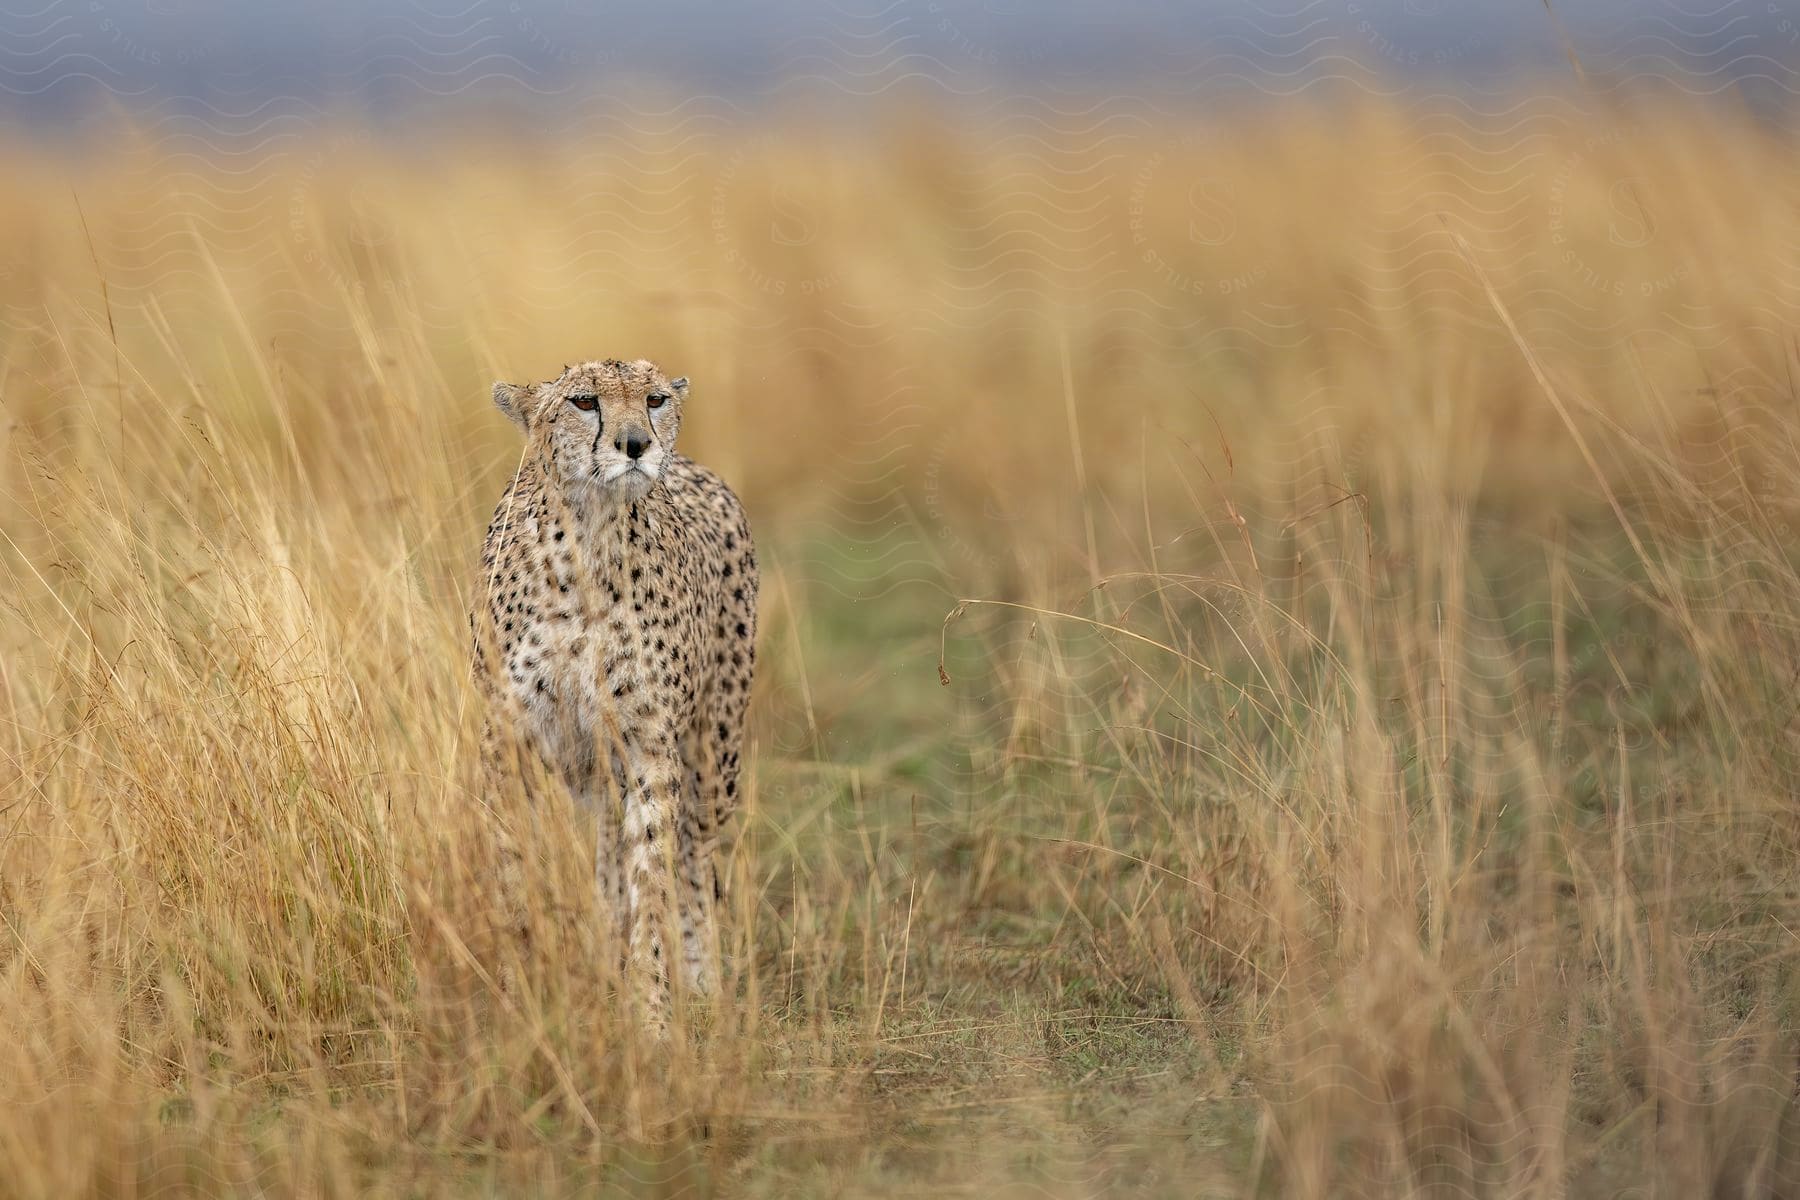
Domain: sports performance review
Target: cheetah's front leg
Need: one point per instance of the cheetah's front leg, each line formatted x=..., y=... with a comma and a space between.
x=713, y=750
x=650, y=806
x=698, y=880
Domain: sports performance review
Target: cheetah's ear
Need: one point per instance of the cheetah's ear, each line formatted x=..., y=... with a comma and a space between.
x=680, y=386
x=511, y=399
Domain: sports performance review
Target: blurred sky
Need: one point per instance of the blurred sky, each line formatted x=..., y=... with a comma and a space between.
x=62, y=60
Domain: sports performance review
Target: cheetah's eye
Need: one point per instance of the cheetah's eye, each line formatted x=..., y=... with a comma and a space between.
x=656, y=400
x=586, y=403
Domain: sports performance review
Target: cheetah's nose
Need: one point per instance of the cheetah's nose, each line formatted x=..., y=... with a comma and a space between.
x=633, y=442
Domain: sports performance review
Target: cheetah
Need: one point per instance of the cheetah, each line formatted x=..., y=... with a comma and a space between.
x=617, y=643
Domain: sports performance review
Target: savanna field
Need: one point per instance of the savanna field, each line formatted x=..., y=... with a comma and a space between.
x=1279, y=655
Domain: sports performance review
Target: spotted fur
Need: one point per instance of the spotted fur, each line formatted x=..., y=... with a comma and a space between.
x=617, y=644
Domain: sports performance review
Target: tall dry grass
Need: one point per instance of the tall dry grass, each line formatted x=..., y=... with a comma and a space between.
x=1362, y=757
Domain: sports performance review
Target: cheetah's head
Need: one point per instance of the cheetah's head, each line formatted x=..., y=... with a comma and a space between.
x=605, y=425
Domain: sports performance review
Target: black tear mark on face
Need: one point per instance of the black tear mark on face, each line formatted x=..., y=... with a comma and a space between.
x=599, y=428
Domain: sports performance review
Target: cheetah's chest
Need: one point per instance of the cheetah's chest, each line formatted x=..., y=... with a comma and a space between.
x=611, y=659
